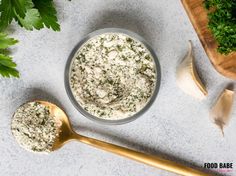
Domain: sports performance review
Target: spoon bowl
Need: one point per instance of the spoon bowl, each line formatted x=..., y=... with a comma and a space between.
x=66, y=133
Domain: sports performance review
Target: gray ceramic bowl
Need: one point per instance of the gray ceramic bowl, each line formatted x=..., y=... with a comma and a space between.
x=70, y=61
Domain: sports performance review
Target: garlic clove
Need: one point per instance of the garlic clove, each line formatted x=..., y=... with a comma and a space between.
x=220, y=112
x=187, y=76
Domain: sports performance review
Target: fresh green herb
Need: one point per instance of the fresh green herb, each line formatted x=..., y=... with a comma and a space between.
x=29, y=14
x=7, y=66
x=222, y=23
x=48, y=13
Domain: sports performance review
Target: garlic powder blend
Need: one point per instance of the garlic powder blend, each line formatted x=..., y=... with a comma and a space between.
x=112, y=76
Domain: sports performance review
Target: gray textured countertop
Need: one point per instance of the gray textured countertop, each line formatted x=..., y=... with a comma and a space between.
x=176, y=126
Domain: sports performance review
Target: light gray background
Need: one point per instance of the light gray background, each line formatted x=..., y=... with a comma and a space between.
x=177, y=126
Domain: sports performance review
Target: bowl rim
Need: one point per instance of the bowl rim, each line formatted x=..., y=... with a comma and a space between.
x=70, y=61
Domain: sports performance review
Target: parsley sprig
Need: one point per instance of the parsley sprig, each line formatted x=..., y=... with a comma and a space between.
x=29, y=14
x=7, y=66
x=222, y=23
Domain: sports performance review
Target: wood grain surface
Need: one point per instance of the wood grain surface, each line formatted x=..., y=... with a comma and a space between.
x=226, y=65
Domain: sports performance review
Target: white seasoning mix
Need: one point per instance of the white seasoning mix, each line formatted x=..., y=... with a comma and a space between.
x=34, y=128
x=112, y=76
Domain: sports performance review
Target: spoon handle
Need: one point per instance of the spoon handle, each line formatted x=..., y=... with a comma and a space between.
x=141, y=157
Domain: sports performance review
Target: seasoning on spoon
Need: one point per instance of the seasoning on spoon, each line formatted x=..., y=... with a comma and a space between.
x=34, y=128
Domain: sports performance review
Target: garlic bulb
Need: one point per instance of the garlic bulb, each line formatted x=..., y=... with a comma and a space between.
x=220, y=112
x=187, y=76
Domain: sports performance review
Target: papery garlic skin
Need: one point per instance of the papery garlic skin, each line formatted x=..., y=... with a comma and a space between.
x=187, y=76
x=221, y=111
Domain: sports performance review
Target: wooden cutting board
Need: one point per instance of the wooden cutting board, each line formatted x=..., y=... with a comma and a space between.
x=226, y=65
